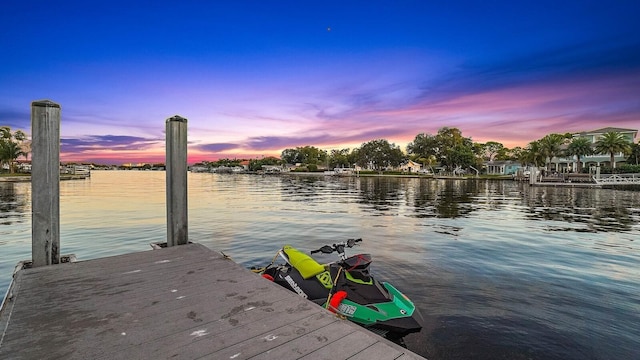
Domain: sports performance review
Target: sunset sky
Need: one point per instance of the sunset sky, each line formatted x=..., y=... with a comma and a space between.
x=256, y=77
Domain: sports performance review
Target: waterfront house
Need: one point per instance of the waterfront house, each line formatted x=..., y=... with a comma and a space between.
x=502, y=167
x=245, y=164
x=569, y=164
x=410, y=167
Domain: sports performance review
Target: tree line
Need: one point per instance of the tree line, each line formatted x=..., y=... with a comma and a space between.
x=450, y=150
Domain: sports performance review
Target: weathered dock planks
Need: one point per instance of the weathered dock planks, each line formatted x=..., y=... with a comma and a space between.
x=181, y=302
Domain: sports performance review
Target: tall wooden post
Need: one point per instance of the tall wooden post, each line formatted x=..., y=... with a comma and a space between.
x=176, y=163
x=45, y=183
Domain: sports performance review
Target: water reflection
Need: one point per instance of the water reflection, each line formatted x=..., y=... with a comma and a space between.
x=381, y=195
x=571, y=209
x=584, y=209
x=15, y=201
x=499, y=269
x=300, y=188
x=444, y=198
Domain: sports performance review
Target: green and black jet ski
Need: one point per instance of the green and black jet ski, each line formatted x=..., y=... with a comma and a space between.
x=346, y=288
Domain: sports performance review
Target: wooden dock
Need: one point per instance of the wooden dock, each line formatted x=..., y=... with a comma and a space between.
x=181, y=302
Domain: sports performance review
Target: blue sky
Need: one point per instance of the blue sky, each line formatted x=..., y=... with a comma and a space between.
x=256, y=77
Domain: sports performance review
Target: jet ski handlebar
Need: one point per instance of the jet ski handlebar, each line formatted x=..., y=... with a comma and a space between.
x=337, y=247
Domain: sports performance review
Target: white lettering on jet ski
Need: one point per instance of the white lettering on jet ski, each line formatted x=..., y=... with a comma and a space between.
x=347, y=310
x=295, y=286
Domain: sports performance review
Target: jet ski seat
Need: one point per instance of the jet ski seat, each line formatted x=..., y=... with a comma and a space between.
x=304, y=263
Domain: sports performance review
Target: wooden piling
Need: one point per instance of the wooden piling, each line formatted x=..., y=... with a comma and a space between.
x=176, y=163
x=533, y=175
x=45, y=182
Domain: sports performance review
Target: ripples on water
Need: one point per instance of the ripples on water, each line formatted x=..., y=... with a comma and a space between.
x=499, y=269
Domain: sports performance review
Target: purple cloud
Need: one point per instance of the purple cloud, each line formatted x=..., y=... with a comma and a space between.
x=579, y=61
x=16, y=119
x=107, y=142
x=321, y=140
x=216, y=147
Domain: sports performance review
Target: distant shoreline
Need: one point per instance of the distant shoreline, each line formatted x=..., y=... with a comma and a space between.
x=27, y=178
x=416, y=176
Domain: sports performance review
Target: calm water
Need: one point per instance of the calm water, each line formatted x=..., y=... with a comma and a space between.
x=499, y=270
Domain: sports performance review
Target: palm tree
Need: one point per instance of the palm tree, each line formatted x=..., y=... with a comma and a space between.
x=551, y=146
x=9, y=152
x=19, y=135
x=11, y=146
x=427, y=161
x=579, y=146
x=634, y=154
x=5, y=133
x=4, y=152
x=26, y=149
x=533, y=154
x=5, y=137
x=612, y=143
